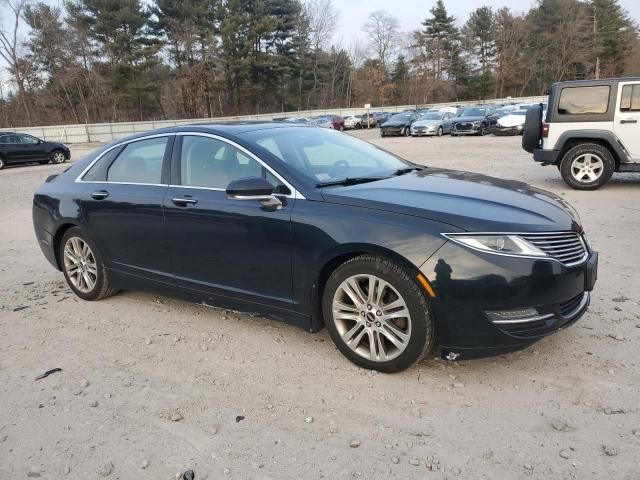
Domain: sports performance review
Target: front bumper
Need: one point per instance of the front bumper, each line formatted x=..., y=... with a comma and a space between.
x=546, y=157
x=391, y=131
x=423, y=132
x=468, y=284
x=473, y=130
x=507, y=131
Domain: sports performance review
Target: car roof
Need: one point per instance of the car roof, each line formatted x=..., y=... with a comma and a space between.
x=599, y=81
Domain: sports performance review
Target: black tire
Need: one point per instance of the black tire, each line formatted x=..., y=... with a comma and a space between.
x=57, y=156
x=422, y=336
x=102, y=289
x=2, y=163
x=567, y=167
x=382, y=133
x=532, y=132
x=439, y=132
x=407, y=131
x=358, y=126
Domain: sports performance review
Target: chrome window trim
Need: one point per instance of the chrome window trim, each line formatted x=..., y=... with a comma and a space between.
x=584, y=258
x=125, y=142
x=294, y=192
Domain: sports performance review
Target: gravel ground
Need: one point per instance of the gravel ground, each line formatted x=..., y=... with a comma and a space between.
x=152, y=386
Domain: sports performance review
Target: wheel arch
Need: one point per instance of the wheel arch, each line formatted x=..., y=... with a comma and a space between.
x=605, y=138
x=330, y=262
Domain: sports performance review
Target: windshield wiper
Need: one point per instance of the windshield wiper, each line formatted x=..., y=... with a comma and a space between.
x=349, y=181
x=402, y=171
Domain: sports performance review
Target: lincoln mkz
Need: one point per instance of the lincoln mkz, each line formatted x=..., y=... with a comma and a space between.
x=320, y=229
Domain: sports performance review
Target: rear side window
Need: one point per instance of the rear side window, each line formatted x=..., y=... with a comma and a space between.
x=139, y=162
x=630, y=98
x=584, y=100
x=97, y=172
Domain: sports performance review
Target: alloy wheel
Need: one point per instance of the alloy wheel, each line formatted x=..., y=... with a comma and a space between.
x=58, y=157
x=80, y=264
x=371, y=317
x=587, y=167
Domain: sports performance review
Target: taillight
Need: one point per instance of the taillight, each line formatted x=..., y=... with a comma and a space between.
x=545, y=130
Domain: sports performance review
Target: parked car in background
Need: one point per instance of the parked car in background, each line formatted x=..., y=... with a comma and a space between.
x=335, y=122
x=510, y=124
x=292, y=119
x=381, y=117
x=432, y=123
x=22, y=148
x=474, y=121
x=320, y=229
x=352, y=122
x=399, y=124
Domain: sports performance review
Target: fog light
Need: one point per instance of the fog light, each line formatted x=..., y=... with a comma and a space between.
x=520, y=315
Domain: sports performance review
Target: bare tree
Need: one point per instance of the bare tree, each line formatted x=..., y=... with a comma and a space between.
x=10, y=51
x=382, y=30
x=321, y=18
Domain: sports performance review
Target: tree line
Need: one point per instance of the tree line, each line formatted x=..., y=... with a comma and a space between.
x=128, y=60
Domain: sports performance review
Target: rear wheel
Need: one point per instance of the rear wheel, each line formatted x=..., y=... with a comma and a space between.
x=439, y=132
x=377, y=314
x=588, y=166
x=83, y=266
x=57, y=156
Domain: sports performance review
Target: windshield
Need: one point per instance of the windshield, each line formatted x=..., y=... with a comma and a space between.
x=401, y=117
x=325, y=155
x=431, y=116
x=473, y=112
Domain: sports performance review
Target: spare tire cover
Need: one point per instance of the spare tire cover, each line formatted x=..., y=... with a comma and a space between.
x=532, y=133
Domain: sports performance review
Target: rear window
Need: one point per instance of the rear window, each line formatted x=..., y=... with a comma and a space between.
x=584, y=100
x=630, y=98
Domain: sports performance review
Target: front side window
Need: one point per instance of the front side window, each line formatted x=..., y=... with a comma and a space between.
x=212, y=163
x=139, y=162
x=28, y=139
x=325, y=155
x=584, y=100
x=630, y=98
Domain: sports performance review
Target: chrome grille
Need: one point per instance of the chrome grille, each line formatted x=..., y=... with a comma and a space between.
x=567, y=247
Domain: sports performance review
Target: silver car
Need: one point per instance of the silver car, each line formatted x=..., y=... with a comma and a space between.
x=432, y=124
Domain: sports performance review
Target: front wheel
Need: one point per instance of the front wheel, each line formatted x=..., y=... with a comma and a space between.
x=407, y=131
x=57, y=156
x=439, y=132
x=377, y=314
x=83, y=266
x=2, y=164
x=587, y=167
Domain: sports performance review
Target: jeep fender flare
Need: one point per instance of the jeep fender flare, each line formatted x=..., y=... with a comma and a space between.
x=612, y=141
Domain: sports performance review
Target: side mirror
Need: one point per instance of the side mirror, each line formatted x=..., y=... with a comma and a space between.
x=253, y=188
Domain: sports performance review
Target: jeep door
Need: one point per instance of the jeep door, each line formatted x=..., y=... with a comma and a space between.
x=627, y=118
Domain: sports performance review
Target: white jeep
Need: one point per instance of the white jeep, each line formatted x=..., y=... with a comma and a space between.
x=591, y=129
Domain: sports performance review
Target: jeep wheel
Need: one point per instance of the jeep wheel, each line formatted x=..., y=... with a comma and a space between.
x=588, y=166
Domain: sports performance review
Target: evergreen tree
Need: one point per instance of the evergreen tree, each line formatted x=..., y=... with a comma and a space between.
x=615, y=36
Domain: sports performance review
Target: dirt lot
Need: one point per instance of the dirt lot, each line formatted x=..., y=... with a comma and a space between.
x=152, y=386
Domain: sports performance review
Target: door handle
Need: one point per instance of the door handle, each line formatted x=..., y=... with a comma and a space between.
x=184, y=201
x=100, y=194
x=629, y=120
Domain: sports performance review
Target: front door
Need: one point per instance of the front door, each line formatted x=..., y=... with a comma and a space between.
x=34, y=149
x=627, y=118
x=226, y=249
x=122, y=203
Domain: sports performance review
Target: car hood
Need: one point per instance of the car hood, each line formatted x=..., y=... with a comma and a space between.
x=394, y=124
x=511, y=120
x=426, y=123
x=469, y=201
x=468, y=119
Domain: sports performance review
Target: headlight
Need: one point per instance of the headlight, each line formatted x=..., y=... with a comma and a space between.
x=477, y=123
x=501, y=244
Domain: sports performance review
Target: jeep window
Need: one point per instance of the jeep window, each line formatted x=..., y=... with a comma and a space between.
x=583, y=100
x=630, y=98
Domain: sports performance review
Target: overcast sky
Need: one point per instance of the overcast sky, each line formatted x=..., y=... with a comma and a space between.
x=410, y=13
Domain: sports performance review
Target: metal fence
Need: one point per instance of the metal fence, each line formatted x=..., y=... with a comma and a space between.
x=106, y=132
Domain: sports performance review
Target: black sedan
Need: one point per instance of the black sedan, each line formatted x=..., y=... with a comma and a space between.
x=398, y=124
x=474, y=121
x=22, y=148
x=318, y=228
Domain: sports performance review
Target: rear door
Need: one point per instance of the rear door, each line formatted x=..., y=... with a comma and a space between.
x=627, y=118
x=13, y=150
x=122, y=203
